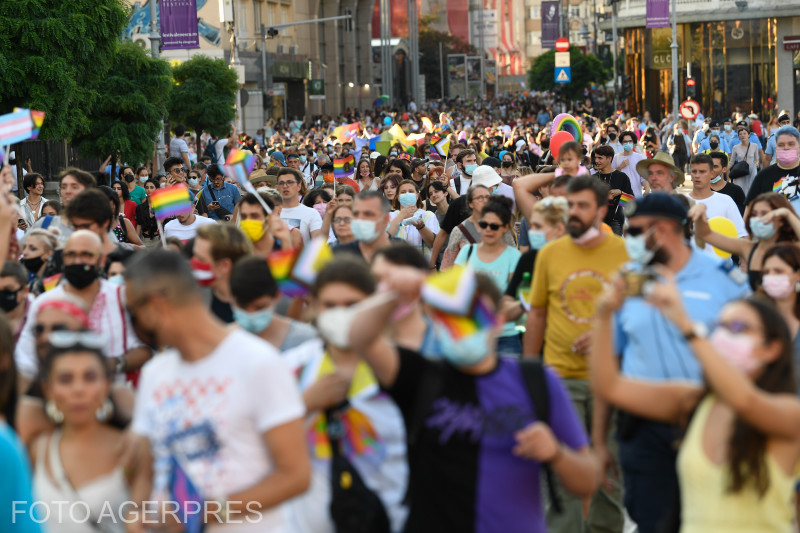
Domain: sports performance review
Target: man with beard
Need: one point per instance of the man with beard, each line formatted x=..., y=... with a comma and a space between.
x=569, y=276
x=466, y=162
x=651, y=348
x=219, y=401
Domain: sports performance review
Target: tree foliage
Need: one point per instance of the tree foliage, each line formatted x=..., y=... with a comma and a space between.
x=429, y=66
x=133, y=101
x=204, y=97
x=584, y=69
x=52, y=55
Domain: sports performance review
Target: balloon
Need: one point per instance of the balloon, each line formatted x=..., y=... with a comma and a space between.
x=723, y=226
x=387, y=121
x=405, y=116
x=557, y=140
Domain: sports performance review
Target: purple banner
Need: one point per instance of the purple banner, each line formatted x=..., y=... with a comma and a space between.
x=551, y=23
x=178, y=24
x=657, y=14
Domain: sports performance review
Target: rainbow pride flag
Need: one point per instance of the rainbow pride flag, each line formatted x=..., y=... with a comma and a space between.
x=626, y=198
x=171, y=201
x=442, y=145
x=344, y=167
x=238, y=166
x=51, y=282
x=480, y=318
x=281, y=263
x=294, y=271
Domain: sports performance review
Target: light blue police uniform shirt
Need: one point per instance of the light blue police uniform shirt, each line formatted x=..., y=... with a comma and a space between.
x=651, y=346
x=723, y=145
x=753, y=139
x=771, y=147
x=729, y=136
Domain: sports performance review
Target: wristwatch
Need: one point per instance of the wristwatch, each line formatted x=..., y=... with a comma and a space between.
x=697, y=331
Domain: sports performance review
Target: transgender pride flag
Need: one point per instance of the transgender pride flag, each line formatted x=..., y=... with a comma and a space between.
x=16, y=127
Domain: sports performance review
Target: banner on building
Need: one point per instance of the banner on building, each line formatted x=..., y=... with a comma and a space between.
x=178, y=24
x=657, y=14
x=551, y=22
x=474, y=70
x=457, y=75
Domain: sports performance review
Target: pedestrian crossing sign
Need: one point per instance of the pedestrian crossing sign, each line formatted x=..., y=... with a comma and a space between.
x=563, y=75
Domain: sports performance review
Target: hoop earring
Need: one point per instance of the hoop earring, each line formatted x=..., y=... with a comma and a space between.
x=53, y=413
x=104, y=412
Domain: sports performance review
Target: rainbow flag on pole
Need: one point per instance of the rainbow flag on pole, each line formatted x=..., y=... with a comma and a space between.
x=626, y=198
x=171, y=201
x=238, y=166
x=344, y=167
x=442, y=145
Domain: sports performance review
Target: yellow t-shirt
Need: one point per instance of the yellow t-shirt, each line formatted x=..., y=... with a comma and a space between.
x=567, y=280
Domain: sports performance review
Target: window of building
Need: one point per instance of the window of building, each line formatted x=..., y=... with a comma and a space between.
x=533, y=12
x=534, y=38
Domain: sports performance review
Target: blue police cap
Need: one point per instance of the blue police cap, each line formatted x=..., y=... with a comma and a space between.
x=657, y=204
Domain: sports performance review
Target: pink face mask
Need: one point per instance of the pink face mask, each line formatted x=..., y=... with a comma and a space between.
x=736, y=348
x=364, y=173
x=320, y=208
x=777, y=286
x=590, y=234
x=786, y=157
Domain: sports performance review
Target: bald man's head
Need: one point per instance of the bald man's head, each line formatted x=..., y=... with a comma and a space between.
x=83, y=247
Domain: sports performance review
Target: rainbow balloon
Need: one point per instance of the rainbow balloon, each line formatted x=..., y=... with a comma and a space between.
x=568, y=123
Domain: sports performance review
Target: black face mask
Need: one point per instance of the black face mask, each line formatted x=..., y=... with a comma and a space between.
x=33, y=264
x=80, y=276
x=8, y=300
x=612, y=136
x=508, y=164
x=714, y=145
x=129, y=178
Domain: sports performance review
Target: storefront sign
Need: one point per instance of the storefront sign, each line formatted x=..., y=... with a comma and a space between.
x=178, y=24
x=551, y=21
x=661, y=55
x=657, y=14
x=791, y=42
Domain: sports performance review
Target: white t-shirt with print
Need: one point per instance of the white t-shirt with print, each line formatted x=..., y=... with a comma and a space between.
x=174, y=228
x=373, y=423
x=303, y=218
x=210, y=416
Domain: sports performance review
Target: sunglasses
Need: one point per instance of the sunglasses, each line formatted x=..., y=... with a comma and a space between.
x=483, y=225
x=39, y=329
x=65, y=339
x=737, y=326
x=636, y=231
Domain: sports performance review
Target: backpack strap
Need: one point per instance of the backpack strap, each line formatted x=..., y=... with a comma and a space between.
x=533, y=375
x=466, y=233
x=457, y=181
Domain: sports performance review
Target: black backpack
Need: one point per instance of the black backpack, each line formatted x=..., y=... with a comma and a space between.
x=211, y=151
x=533, y=375
x=354, y=507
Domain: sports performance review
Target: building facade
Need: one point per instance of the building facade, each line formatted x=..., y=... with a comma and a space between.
x=742, y=55
x=280, y=70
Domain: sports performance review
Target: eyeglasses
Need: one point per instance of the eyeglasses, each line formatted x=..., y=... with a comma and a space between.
x=286, y=183
x=65, y=339
x=634, y=231
x=41, y=329
x=342, y=220
x=483, y=225
x=737, y=326
x=181, y=170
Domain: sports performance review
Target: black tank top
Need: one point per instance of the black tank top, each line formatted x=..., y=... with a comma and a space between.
x=753, y=276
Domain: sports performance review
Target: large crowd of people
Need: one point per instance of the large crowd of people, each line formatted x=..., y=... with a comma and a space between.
x=631, y=360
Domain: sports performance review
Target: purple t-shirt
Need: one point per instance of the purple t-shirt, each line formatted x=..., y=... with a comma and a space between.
x=464, y=476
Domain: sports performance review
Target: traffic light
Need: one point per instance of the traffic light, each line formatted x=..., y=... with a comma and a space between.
x=690, y=87
x=267, y=101
x=625, y=91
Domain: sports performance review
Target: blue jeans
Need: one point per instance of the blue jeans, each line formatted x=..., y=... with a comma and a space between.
x=510, y=346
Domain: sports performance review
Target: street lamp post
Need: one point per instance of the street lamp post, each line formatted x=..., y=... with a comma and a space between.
x=674, y=47
x=614, y=51
x=155, y=48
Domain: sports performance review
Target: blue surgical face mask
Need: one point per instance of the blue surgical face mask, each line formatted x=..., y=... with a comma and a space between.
x=761, y=230
x=364, y=230
x=143, y=179
x=537, y=238
x=728, y=127
x=636, y=246
x=469, y=169
x=117, y=280
x=716, y=180
x=303, y=159
x=193, y=182
x=467, y=351
x=407, y=198
x=627, y=146
x=254, y=322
